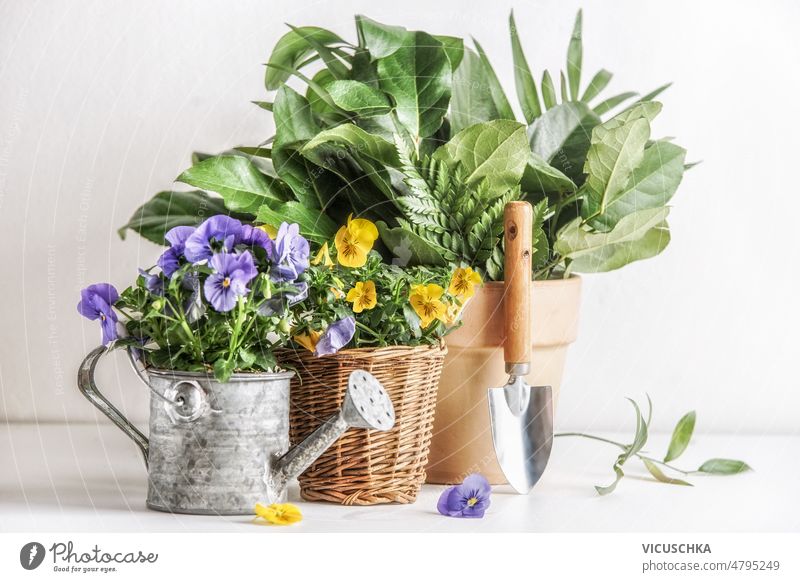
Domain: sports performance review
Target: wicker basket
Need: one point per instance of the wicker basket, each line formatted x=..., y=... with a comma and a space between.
x=367, y=467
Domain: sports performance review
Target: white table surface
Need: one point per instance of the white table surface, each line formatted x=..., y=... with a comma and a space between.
x=89, y=477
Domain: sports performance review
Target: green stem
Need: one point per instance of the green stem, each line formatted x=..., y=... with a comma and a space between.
x=623, y=447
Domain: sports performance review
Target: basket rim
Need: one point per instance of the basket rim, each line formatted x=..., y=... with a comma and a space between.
x=441, y=347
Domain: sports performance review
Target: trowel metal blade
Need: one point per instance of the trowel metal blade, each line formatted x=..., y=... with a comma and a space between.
x=522, y=431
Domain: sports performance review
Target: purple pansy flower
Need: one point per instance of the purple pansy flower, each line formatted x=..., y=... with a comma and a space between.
x=96, y=303
x=255, y=237
x=169, y=261
x=290, y=254
x=153, y=283
x=470, y=499
x=338, y=335
x=217, y=234
x=231, y=275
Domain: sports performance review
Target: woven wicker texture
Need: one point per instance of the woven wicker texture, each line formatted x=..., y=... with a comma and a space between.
x=367, y=467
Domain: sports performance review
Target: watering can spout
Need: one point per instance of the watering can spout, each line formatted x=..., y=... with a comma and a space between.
x=366, y=405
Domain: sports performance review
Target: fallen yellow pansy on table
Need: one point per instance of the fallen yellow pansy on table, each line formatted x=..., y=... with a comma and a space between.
x=279, y=513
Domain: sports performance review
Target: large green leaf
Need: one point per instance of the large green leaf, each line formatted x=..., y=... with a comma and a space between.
x=493, y=84
x=358, y=98
x=575, y=57
x=408, y=248
x=418, y=76
x=292, y=49
x=166, y=210
x=681, y=436
x=527, y=93
x=542, y=178
x=365, y=144
x=471, y=103
x=380, y=39
x=243, y=187
x=314, y=224
x=652, y=184
x=575, y=240
x=336, y=67
x=615, y=256
x=562, y=136
x=610, y=162
x=496, y=151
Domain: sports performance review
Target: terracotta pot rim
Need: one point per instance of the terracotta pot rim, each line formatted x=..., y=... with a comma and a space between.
x=571, y=280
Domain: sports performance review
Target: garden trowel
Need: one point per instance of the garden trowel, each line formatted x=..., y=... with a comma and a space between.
x=521, y=415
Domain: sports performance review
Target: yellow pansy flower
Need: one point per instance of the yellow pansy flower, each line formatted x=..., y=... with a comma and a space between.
x=271, y=231
x=308, y=340
x=425, y=299
x=463, y=282
x=279, y=513
x=363, y=296
x=354, y=241
x=323, y=256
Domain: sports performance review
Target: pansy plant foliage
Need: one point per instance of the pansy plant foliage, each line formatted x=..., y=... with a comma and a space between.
x=356, y=300
x=217, y=300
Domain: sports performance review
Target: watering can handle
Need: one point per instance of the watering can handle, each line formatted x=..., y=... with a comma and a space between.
x=517, y=223
x=89, y=389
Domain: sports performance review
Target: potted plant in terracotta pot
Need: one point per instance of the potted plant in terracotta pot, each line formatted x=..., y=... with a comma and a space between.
x=413, y=132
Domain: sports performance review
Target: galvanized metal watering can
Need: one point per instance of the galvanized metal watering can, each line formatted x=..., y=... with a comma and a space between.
x=221, y=447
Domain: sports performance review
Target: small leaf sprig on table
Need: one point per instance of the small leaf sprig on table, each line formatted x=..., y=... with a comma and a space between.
x=681, y=436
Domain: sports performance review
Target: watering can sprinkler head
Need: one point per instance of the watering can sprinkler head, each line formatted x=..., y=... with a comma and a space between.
x=366, y=405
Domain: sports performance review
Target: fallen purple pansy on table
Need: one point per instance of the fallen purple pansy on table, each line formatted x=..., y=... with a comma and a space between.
x=470, y=499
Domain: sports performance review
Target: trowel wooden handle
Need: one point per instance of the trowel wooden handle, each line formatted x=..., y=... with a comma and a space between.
x=517, y=223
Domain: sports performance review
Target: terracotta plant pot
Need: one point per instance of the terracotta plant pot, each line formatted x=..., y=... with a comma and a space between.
x=462, y=438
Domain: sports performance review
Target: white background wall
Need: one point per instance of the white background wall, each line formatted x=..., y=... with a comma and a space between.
x=101, y=104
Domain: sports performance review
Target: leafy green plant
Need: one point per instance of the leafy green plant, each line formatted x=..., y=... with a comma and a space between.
x=681, y=436
x=415, y=132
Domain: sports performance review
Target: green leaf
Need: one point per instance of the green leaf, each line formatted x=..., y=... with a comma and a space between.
x=336, y=68
x=652, y=184
x=495, y=88
x=527, y=93
x=564, y=91
x=362, y=142
x=418, y=76
x=409, y=248
x=263, y=104
x=541, y=246
x=548, y=91
x=292, y=49
x=608, y=489
x=166, y=210
x=562, y=137
x=382, y=40
x=575, y=57
x=681, y=436
x=574, y=241
x=470, y=102
x=639, y=440
x=611, y=102
x=454, y=48
x=660, y=476
x=243, y=187
x=655, y=93
x=496, y=151
x=314, y=224
x=724, y=467
x=294, y=122
x=358, y=98
x=615, y=256
x=223, y=369
x=599, y=82
x=541, y=177
x=616, y=150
